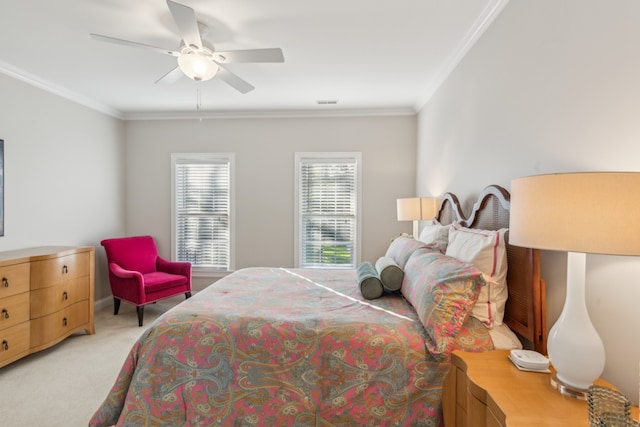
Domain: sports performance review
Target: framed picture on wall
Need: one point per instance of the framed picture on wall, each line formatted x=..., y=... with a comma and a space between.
x=1, y=187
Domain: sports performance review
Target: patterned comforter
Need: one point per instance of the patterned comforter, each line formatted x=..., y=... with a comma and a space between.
x=281, y=347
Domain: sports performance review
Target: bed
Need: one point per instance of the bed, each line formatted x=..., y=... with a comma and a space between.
x=303, y=347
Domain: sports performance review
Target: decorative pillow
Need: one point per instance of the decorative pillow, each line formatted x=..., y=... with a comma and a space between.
x=390, y=273
x=504, y=338
x=487, y=250
x=401, y=249
x=435, y=234
x=368, y=281
x=443, y=291
x=474, y=337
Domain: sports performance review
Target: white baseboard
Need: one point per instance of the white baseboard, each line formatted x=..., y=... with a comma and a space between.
x=108, y=301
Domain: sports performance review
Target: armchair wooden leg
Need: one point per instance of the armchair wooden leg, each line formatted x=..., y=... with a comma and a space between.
x=140, y=311
x=116, y=305
x=187, y=295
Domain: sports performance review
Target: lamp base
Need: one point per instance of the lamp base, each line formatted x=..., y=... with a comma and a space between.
x=567, y=390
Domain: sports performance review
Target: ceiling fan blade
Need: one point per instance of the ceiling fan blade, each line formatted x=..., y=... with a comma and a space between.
x=134, y=44
x=185, y=18
x=234, y=81
x=171, y=77
x=250, y=55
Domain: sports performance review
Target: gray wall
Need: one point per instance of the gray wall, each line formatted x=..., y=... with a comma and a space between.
x=550, y=87
x=265, y=176
x=63, y=173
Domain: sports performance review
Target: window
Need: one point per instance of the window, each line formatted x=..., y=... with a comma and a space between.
x=327, y=210
x=202, y=222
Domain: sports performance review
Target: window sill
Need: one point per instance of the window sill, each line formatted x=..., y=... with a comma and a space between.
x=201, y=272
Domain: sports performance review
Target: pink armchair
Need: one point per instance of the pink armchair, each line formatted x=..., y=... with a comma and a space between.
x=138, y=275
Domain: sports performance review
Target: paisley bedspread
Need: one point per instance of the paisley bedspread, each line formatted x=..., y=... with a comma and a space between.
x=280, y=347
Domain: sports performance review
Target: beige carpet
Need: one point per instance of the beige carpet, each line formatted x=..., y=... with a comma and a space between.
x=65, y=384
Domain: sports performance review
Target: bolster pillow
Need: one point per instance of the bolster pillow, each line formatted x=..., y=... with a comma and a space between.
x=369, y=282
x=390, y=273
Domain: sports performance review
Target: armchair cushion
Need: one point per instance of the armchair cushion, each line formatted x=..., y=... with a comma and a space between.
x=158, y=281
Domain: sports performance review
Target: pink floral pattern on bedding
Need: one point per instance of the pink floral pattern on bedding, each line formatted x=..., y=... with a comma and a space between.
x=278, y=347
x=442, y=290
x=473, y=337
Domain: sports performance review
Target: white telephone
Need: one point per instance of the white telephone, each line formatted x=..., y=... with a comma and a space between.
x=529, y=360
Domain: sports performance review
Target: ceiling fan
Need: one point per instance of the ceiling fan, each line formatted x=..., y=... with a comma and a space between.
x=197, y=58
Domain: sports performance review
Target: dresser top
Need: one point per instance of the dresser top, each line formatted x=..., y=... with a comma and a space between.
x=40, y=252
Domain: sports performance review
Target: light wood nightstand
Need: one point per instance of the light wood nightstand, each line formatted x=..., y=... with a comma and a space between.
x=486, y=389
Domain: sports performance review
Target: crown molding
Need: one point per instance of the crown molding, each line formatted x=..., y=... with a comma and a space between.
x=478, y=28
x=262, y=114
x=47, y=86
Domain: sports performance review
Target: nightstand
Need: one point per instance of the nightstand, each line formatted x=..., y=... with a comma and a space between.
x=486, y=389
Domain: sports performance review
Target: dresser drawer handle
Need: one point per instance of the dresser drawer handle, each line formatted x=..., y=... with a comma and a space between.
x=5, y=344
x=65, y=269
x=5, y=282
x=5, y=313
x=65, y=295
x=64, y=321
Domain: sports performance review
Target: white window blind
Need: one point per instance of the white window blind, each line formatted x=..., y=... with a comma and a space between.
x=328, y=211
x=202, y=222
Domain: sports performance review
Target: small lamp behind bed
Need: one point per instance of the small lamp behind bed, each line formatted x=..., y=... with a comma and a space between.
x=579, y=213
x=416, y=209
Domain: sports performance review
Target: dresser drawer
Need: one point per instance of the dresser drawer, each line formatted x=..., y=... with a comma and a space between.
x=54, y=298
x=53, y=327
x=492, y=420
x=14, y=279
x=461, y=389
x=14, y=310
x=14, y=343
x=54, y=271
x=476, y=411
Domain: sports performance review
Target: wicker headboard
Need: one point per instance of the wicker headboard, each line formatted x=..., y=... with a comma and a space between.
x=525, y=311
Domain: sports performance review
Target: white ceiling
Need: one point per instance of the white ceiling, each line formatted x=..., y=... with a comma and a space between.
x=387, y=55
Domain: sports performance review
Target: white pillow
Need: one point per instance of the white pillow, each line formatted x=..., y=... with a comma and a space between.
x=503, y=338
x=487, y=250
x=435, y=233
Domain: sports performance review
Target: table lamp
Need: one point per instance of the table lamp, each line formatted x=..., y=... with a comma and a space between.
x=416, y=209
x=593, y=212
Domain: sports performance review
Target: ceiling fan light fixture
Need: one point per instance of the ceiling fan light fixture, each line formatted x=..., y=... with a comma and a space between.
x=197, y=57
x=197, y=66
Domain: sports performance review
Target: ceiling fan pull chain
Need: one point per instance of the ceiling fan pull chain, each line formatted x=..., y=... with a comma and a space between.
x=198, y=96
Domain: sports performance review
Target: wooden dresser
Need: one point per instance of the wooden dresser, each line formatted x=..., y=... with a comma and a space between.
x=46, y=294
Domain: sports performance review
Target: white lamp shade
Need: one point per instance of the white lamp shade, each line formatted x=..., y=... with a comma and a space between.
x=409, y=209
x=428, y=207
x=593, y=212
x=416, y=208
x=197, y=67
